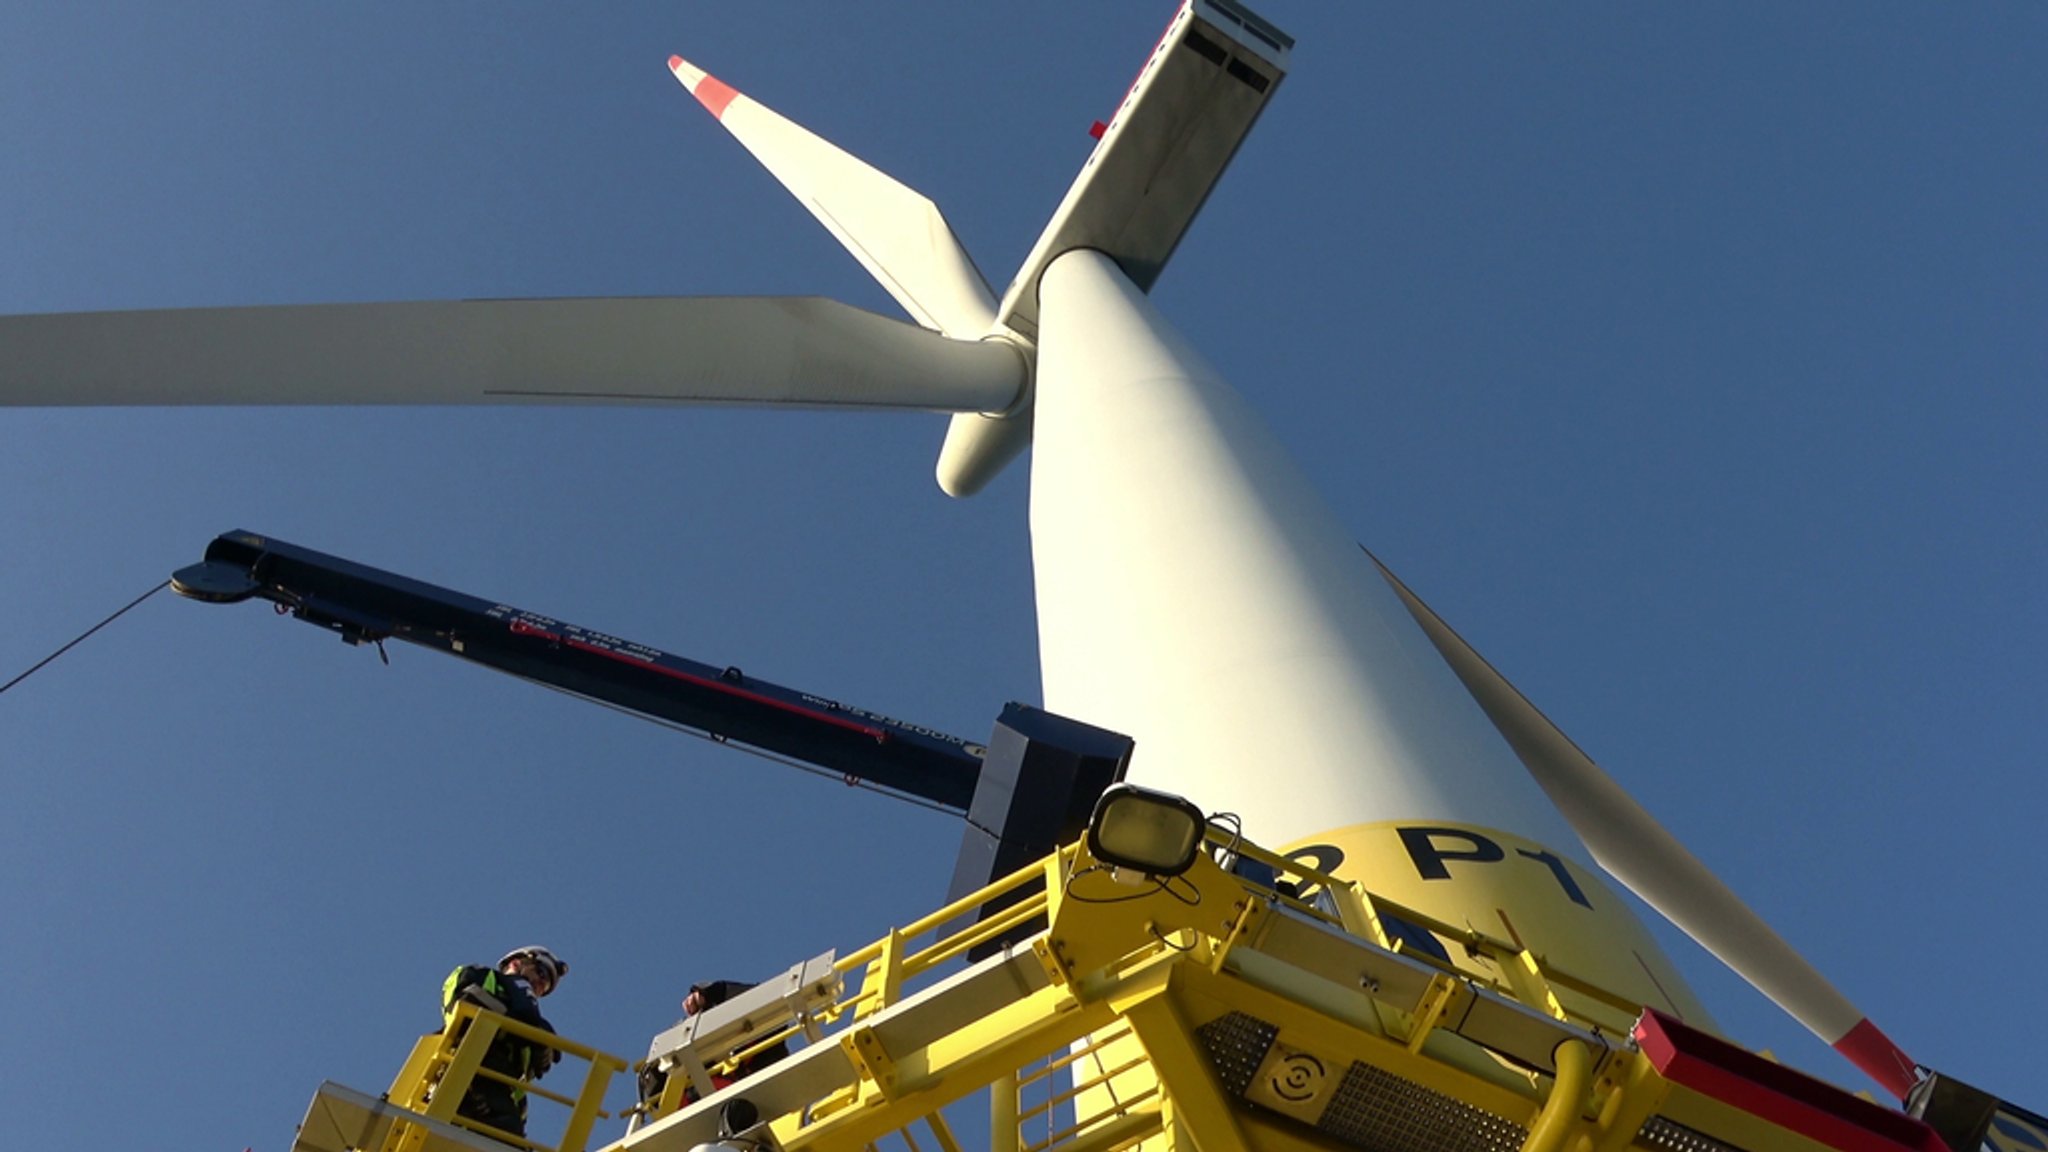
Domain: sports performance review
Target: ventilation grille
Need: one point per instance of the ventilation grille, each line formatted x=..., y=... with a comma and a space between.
x=1667, y=1136
x=1381, y=1111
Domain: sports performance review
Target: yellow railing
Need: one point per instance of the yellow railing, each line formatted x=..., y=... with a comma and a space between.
x=887, y=967
x=1081, y=1083
x=444, y=1065
x=883, y=972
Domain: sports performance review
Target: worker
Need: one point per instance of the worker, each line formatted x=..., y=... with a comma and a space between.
x=704, y=996
x=654, y=1079
x=513, y=989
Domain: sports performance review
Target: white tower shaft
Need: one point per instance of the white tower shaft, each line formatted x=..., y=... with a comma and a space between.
x=1196, y=593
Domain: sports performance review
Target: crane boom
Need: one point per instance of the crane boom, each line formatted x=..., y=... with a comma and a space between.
x=1030, y=789
x=364, y=604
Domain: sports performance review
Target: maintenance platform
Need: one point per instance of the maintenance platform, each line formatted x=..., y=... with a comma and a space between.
x=1090, y=1002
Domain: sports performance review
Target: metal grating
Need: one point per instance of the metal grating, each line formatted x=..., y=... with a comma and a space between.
x=1668, y=1136
x=1236, y=1044
x=1372, y=1109
x=1377, y=1110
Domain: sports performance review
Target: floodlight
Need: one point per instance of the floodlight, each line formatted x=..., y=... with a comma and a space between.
x=740, y=1130
x=1156, y=833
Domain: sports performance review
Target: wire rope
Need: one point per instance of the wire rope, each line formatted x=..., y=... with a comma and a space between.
x=76, y=640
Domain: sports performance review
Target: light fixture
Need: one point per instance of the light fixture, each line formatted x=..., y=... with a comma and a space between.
x=740, y=1130
x=1156, y=833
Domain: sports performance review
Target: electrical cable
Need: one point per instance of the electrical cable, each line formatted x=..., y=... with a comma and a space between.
x=38, y=666
x=1159, y=884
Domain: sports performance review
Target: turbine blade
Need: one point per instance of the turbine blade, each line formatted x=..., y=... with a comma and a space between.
x=1194, y=101
x=752, y=350
x=1635, y=849
x=1195, y=98
x=896, y=234
x=978, y=447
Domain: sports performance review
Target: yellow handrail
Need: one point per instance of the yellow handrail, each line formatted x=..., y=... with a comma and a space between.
x=445, y=1064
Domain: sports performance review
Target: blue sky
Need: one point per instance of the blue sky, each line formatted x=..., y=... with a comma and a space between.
x=1691, y=363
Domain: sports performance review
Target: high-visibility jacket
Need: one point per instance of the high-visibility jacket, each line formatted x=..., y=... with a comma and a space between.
x=506, y=995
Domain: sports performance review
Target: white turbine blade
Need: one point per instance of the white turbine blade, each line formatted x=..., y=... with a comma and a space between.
x=1635, y=849
x=978, y=447
x=896, y=234
x=754, y=350
x=1194, y=101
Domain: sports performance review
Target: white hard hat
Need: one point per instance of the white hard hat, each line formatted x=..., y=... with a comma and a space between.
x=552, y=964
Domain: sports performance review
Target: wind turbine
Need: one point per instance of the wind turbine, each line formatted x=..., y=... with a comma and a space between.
x=1187, y=575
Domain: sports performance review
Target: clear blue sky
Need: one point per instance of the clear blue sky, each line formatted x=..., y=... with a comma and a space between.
x=1690, y=362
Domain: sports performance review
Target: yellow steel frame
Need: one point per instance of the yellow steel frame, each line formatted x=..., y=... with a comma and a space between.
x=1147, y=958
x=1123, y=979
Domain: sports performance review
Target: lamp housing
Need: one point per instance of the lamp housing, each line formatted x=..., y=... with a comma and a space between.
x=1156, y=833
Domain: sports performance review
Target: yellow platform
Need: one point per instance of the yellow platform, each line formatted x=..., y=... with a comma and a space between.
x=1202, y=1012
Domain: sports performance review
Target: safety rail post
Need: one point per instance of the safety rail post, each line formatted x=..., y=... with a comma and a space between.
x=409, y=1087
x=1559, y=978
x=444, y=1065
x=1004, y=1124
x=1524, y=973
x=1444, y=990
x=585, y=1113
x=413, y=1084
x=885, y=975
x=469, y=1034
x=1219, y=950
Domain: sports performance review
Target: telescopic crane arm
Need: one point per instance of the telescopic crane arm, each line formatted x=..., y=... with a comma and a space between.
x=364, y=604
x=1030, y=789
